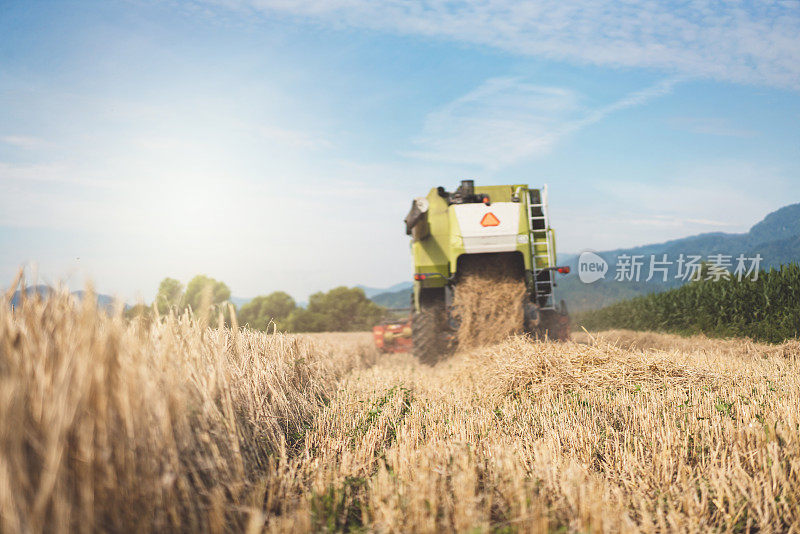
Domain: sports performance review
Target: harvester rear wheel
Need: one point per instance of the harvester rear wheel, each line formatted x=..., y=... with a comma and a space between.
x=554, y=325
x=428, y=328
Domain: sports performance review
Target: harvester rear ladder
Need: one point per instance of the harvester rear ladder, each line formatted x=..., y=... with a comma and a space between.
x=541, y=237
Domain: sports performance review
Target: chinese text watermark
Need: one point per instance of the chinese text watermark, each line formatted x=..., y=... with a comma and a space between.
x=661, y=268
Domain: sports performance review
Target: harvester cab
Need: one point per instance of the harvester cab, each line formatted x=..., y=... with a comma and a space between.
x=502, y=224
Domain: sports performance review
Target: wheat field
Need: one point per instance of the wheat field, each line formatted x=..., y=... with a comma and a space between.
x=108, y=425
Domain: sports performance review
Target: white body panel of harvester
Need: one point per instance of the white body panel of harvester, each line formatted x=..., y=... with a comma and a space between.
x=488, y=227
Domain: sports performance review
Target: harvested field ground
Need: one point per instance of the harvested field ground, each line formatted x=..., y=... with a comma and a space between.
x=110, y=426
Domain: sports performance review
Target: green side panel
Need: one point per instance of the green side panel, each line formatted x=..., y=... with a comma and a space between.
x=540, y=250
x=524, y=225
x=455, y=245
x=431, y=255
x=539, y=245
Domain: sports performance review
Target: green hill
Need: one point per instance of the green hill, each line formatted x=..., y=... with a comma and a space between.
x=394, y=299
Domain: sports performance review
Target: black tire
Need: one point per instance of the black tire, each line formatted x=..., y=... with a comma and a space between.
x=428, y=329
x=554, y=325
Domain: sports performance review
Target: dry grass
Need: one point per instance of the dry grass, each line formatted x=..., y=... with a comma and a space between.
x=535, y=437
x=109, y=426
x=744, y=348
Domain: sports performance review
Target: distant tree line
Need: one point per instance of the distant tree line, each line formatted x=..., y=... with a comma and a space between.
x=341, y=309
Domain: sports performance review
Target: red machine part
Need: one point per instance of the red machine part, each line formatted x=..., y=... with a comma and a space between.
x=393, y=337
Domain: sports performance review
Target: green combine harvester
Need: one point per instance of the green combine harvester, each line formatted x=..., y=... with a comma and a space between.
x=506, y=223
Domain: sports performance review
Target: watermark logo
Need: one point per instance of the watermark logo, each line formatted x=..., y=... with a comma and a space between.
x=591, y=267
x=686, y=267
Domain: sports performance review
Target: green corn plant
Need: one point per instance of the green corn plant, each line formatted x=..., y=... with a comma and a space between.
x=766, y=309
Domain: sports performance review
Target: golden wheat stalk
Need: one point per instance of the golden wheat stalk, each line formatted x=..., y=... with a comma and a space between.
x=111, y=425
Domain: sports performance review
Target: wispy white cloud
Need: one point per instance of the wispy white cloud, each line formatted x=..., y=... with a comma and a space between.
x=750, y=42
x=710, y=126
x=507, y=119
x=53, y=173
x=25, y=142
x=501, y=121
x=669, y=221
x=684, y=199
x=708, y=222
x=292, y=138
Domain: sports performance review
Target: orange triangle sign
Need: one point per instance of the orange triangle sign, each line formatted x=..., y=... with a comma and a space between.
x=490, y=220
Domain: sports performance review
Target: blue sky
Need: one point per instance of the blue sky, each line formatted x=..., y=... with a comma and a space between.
x=277, y=144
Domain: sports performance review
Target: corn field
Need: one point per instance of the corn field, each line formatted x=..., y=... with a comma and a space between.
x=117, y=426
x=767, y=309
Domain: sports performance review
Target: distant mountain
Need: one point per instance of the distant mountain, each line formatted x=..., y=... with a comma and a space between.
x=30, y=291
x=394, y=299
x=373, y=291
x=778, y=225
x=776, y=239
x=105, y=302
